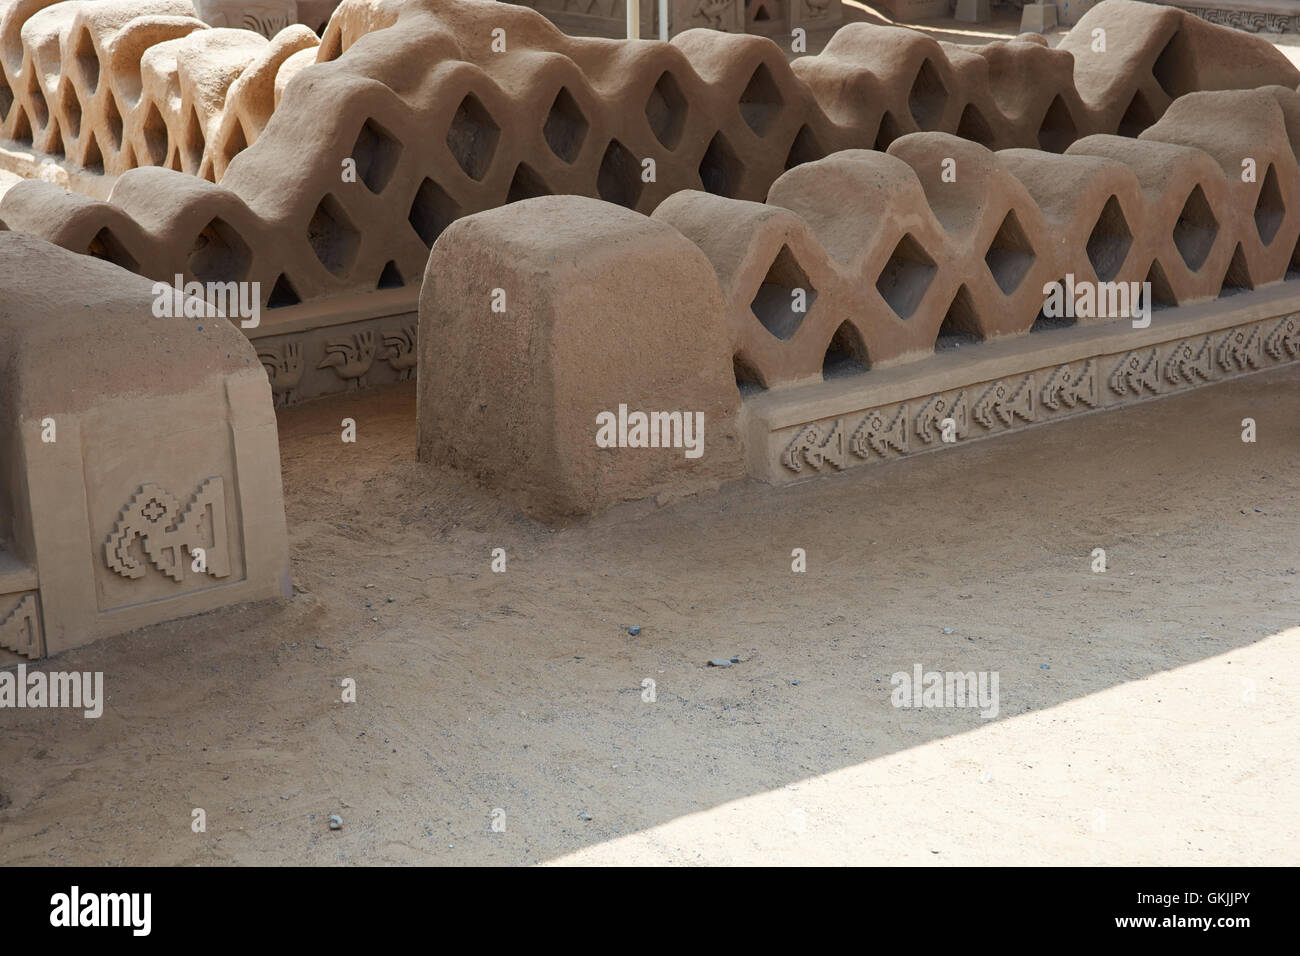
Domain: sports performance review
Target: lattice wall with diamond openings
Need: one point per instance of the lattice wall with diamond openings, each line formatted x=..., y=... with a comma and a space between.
x=470, y=129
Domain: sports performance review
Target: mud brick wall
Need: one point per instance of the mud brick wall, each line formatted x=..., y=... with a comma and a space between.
x=891, y=256
x=611, y=310
x=441, y=126
x=110, y=85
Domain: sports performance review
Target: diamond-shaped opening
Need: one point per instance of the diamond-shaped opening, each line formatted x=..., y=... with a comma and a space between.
x=566, y=126
x=1196, y=229
x=1237, y=278
x=761, y=102
x=113, y=116
x=1172, y=68
x=761, y=13
x=236, y=141
x=619, y=178
x=906, y=277
x=928, y=96
x=175, y=161
x=1010, y=255
x=526, y=184
x=1057, y=131
x=282, y=294
x=748, y=379
x=156, y=143
x=6, y=97
x=1162, y=293
x=1046, y=323
x=1293, y=267
x=720, y=168
x=193, y=143
x=219, y=254
x=376, y=152
x=472, y=137
x=1269, y=210
x=71, y=108
x=665, y=111
x=887, y=132
x=54, y=144
x=22, y=128
x=1137, y=117
x=785, y=296
x=391, y=277
x=332, y=236
x=432, y=211
x=974, y=127
x=960, y=324
x=804, y=149
x=87, y=61
x=108, y=247
x=846, y=354
x=36, y=99
x=1110, y=241
x=92, y=159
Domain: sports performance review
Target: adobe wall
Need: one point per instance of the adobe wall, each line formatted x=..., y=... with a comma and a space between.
x=111, y=85
x=130, y=443
x=718, y=112
x=895, y=264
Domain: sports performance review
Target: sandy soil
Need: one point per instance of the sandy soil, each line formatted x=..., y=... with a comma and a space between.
x=1147, y=715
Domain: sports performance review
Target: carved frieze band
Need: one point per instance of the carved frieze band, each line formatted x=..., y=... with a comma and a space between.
x=1252, y=21
x=989, y=408
x=355, y=355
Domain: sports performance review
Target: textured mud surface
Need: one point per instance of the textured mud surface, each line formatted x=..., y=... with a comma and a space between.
x=1145, y=716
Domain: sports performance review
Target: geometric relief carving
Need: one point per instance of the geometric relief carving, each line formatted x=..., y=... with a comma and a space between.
x=811, y=445
x=1240, y=350
x=881, y=433
x=1001, y=400
x=1071, y=387
x=1187, y=362
x=1065, y=389
x=1285, y=339
x=20, y=627
x=938, y=408
x=155, y=517
x=1136, y=371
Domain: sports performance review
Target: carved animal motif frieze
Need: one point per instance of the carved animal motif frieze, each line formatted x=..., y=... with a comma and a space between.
x=1240, y=350
x=1190, y=361
x=1070, y=386
x=939, y=407
x=400, y=351
x=284, y=367
x=1006, y=403
x=880, y=432
x=1136, y=371
x=351, y=358
x=155, y=516
x=1284, y=341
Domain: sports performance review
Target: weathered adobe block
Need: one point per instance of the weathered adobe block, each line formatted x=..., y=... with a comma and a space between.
x=513, y=397
x=440, y=125
x=128, y=443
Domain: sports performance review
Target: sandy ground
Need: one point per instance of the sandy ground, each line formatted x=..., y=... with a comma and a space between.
x=1147, y=714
